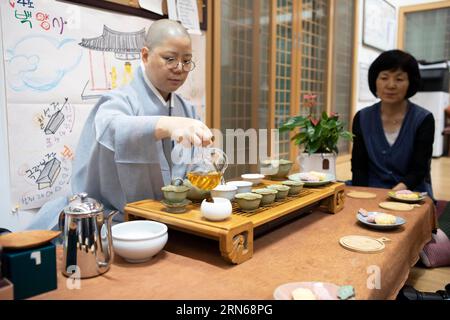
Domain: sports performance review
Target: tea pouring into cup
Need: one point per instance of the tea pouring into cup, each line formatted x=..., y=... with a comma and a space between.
x=207, y=168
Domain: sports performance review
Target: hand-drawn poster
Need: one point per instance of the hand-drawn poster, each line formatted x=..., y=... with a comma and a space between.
x=59, y=59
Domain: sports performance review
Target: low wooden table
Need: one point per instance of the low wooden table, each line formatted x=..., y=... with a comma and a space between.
x=305, y=249
x=235, y=234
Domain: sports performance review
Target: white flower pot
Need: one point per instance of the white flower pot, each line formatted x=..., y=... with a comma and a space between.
x=322, y=162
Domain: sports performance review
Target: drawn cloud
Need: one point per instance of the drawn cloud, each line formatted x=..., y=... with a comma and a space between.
x=39, y=62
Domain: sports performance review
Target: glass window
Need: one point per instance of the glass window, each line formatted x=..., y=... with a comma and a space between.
x=427, y=34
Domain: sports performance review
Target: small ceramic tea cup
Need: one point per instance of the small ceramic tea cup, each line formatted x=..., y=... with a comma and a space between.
x=224, y=191
x=248, y=201
x=175, y=193
x=254, y=178
x=242, y=186
x=268, y=195
x=295, y=186
x=282, y=190
x=276, y=169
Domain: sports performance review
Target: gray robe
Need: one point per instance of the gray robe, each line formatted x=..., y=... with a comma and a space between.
x=118, y=159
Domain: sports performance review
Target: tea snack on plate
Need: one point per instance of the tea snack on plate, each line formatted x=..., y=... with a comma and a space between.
x=407, y=195
x=363, y=212
x=312, y=176
x=346, y=292
x=321, y=176
x=403, y=192
x=303, y=294
x=385, y=219
x=321, y=292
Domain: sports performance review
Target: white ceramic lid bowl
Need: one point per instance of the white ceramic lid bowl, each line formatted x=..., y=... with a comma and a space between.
x=138, y=241
x=218, y=210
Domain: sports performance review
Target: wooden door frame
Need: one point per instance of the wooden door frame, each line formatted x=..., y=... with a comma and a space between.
x=415, y=8
x=209, y=63
x=216, y=65
x=272, y=66
x=296, y=67
x=354, y=85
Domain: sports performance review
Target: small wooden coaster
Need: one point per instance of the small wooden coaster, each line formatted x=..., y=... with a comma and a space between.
x=363, y=243
x=361, y=195
x=27, y=239
x=396, y=206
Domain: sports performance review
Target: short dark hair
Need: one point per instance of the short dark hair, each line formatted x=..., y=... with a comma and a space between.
x=394, y=60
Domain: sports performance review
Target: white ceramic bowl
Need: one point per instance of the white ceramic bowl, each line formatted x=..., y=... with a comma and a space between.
x=254, y=178
x=224, y=191
x=218, y=210
x=243, y=186
x=138, y=241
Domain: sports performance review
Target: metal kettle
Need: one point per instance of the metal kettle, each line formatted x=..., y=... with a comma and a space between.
x=87, y=241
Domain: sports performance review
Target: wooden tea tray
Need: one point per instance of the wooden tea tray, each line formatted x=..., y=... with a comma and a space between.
x=235, y=234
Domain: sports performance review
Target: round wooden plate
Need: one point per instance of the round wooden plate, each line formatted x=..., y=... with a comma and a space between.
x=27, y=239
x=396, y=206
x=361, y=195
x=363, y=243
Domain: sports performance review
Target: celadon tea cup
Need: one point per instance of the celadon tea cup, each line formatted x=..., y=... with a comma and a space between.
x=268, y=195
x=294, y=186
x=175, y=194
x=282, y=190
x=248, y=201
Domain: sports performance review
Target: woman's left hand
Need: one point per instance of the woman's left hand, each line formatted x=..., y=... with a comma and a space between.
x=400, y=186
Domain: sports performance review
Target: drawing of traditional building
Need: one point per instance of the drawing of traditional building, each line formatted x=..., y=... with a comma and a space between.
x=49, y=174
x=54, y=123
x=126, y=47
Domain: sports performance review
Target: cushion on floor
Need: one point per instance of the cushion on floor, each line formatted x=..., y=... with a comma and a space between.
x=436, y=253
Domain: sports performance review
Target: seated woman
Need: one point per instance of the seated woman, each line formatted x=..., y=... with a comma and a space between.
x=393, y=140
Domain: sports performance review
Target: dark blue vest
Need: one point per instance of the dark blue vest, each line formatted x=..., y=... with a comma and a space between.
x=389, y=164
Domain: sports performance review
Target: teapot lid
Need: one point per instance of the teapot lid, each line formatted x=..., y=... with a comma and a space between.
x=81, y=204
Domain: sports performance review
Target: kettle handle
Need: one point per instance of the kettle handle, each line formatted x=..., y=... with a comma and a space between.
x=109, y=257
x=61, y=221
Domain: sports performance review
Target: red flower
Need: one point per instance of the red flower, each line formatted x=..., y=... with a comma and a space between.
x=310, y=100
x=334, y=115
x=314, y=121
x=309, y=96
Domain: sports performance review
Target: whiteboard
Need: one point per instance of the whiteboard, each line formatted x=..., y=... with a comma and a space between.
x=379, y=24
x=364, y=91
x=58, y=59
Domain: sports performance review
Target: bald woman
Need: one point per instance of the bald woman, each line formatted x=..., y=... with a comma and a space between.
x=124, y=151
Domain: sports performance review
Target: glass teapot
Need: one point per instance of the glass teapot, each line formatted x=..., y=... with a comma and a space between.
x=207, y=168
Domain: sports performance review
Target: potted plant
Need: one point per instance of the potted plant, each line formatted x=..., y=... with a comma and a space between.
x=317, y=138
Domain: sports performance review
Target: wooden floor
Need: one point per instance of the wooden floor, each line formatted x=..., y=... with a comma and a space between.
x=421, y=278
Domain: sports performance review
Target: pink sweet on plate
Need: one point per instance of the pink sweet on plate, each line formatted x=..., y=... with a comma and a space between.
x=403, y=192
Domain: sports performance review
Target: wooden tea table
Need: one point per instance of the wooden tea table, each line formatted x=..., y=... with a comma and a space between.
x=235, y=234
x=303, y=249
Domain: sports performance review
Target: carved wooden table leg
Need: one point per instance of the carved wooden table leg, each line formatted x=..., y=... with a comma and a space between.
x=236, y=245
x=339, y=199
x=335, y=202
